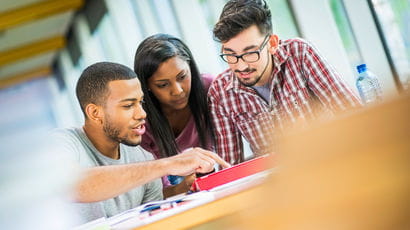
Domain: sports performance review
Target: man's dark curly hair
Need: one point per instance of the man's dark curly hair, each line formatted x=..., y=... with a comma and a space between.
x=238, y=15
x=92, y=86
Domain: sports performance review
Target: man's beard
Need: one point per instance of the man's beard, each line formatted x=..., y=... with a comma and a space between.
x=114, y=134
x=257, y=79
x=248, y=84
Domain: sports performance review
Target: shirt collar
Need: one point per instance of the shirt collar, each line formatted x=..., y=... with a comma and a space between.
x=233, y=82
x=281, y=55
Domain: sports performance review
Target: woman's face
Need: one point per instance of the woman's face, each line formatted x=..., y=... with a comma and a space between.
x=171, y=84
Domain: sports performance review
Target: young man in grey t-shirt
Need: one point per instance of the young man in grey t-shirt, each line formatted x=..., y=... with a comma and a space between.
x=118, y=174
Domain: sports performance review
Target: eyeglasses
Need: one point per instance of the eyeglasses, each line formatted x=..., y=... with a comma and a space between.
x=248, y=57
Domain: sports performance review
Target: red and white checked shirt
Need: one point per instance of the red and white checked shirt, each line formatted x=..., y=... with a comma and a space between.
x=303, y=86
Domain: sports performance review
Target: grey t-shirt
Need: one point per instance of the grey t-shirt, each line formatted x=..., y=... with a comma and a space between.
x=263, y=91
x=74, y=142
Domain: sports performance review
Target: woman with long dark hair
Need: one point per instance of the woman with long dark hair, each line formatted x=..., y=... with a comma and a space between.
x=175, y=99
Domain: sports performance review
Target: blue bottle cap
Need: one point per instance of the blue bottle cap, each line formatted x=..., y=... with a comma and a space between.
x=361, y=68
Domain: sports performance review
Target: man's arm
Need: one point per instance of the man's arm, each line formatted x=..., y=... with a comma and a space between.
x=326, y=83
x=104, y=182
x=228, y=140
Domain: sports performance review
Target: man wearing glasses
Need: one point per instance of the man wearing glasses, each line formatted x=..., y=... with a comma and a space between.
x=269, y=82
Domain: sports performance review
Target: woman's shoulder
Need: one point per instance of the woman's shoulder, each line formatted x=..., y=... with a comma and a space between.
x=207, y=80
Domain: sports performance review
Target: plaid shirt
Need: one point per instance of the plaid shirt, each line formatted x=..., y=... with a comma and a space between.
x=303, y=87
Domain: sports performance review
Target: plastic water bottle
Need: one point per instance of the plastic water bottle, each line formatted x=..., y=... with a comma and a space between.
x=368, y=85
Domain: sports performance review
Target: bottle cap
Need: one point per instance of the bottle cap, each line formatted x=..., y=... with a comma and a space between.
x=361, y=68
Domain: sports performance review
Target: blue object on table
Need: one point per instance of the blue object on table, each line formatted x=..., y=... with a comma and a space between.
x=158, y=205
x=175, y=179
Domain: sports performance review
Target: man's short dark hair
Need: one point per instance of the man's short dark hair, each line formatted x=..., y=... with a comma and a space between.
x=238, y=15
x=92, y=84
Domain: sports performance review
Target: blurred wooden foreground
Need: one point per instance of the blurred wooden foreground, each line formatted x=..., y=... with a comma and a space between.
x=350, y=173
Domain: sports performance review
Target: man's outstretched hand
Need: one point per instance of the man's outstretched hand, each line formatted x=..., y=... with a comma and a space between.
x=194, y=160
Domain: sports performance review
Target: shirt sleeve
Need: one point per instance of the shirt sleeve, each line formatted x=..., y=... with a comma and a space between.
x=63, y=149
x=64, y=144
x=228, y=142
x=153, y=189
x=326, y=83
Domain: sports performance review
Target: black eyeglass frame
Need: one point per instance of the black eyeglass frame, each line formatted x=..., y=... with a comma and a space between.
x=258, y=52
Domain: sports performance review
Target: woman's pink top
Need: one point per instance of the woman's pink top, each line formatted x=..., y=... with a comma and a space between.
x=188, y=138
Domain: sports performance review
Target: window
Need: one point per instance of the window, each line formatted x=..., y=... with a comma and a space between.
x=145, y=17
x=394, y=19
x=27, y=115
x=345, y=32
x=167, y=19
x=128, y=30
x=108, y=40
x=282, y=19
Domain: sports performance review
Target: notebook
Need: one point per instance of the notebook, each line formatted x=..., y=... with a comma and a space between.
x=235, y=172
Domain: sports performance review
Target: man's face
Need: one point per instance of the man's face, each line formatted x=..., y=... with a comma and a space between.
x=124, y=117
x=254, y=72
x=171, y=84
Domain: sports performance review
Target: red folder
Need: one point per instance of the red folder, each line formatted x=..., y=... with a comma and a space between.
x=235, y=172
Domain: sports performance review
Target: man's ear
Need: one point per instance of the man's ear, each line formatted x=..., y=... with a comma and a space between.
x=94, y=113
x=274, y=43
